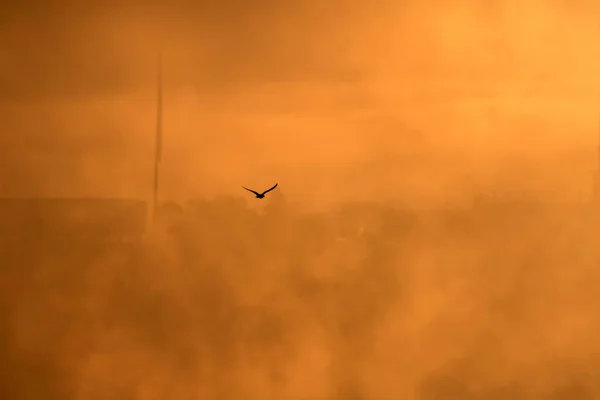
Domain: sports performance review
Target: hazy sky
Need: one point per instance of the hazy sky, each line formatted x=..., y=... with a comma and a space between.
x=303, y=93
x=425, y=102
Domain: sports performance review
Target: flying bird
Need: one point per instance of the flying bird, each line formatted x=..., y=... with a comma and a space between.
x=260, y=195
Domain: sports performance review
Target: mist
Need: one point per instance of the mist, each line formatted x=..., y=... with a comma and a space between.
x=433, y=234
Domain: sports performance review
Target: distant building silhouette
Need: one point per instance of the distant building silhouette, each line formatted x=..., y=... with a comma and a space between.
x=168, y=212
x=277, y=202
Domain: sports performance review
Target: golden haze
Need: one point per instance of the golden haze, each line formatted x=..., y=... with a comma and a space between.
x=432, y=235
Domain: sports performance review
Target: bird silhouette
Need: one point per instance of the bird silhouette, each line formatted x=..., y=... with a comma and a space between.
x=260, y=195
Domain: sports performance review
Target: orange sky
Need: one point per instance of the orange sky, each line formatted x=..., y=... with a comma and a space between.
x=306, y=94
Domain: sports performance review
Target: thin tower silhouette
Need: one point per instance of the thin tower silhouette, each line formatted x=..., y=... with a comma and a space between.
x=159, y=133
x=597, y=180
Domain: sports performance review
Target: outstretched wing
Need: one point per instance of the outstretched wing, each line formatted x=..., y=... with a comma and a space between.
x=250, y=190
x=267, y=191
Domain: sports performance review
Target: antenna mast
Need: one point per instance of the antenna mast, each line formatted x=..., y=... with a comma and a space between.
x=159, y=121
x=596, y=187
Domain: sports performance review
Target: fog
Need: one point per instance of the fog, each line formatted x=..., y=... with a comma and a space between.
x=433, y=234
